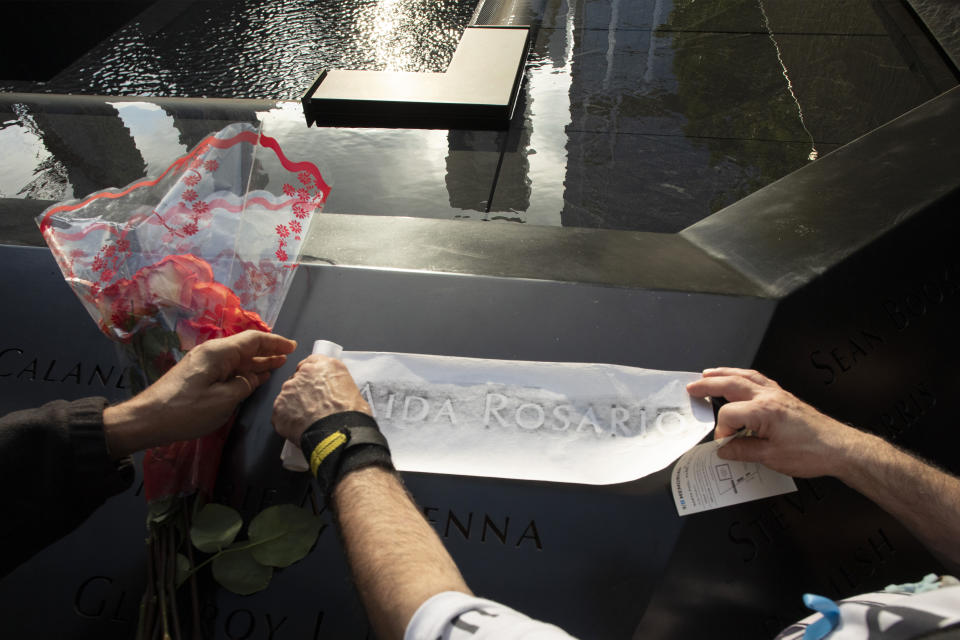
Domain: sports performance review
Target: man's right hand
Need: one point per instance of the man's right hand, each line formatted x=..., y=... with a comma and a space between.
x=794, y=438
x=321, y=387
x=789, y=436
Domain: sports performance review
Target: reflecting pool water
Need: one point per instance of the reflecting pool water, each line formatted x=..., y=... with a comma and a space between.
x=634, y=114
x=263, y=48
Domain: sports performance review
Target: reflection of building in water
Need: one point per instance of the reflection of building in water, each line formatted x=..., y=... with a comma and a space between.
x=472, y=153
x=532, y=159
x=630, y=166
x=193, y=128
x=92, y=144
x=46, y=178
x=95, y=145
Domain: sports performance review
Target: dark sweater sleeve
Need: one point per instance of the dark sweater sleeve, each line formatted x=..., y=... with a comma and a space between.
x=54, y=472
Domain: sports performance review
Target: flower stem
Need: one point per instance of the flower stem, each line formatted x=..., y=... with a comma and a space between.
x=149, y=597
x=161, y=583
x=171, y=583
x=195, y=602
x=232, y=549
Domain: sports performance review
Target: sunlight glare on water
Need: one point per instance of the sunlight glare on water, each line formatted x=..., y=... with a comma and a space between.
x=267, y=49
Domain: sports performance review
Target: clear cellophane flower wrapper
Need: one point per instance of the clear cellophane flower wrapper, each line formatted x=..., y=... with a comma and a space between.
x=205, y=250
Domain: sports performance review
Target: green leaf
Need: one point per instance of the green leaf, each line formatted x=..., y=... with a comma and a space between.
x=283, y=534
x=183, y=569
x=237, y=571
x=215, y=527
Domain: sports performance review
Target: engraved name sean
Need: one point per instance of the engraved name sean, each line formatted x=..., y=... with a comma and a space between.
x=17, y=364
x=404, y=409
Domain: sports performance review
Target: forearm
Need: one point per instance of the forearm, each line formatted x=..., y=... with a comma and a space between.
x=925, y=499
x=397, y=559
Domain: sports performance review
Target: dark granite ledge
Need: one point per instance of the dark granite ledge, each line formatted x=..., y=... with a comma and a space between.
x=595, y=256
x=613, y=258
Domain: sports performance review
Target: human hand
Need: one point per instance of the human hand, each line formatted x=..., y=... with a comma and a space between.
x=198, y=394
x=789, y=436
x=320, y=387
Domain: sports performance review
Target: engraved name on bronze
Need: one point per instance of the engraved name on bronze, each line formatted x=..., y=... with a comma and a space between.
x=836, y=360
x=761, y=532
x=241, y=624
x=937, y=287
x=247, y=624
x=18, y=364
x=484, y=528
x=100, y=597
x=848, y=576
x=899, y=418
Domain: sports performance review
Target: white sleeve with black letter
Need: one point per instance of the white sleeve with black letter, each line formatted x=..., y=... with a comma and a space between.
x=456, y=616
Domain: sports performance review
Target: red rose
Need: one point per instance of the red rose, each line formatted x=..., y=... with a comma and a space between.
x=172, y=281
x=235, y=319
x=210, y=297
x=184, y=285
x=193, y=332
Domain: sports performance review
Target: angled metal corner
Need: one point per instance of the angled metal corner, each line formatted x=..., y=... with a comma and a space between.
x=479, y=89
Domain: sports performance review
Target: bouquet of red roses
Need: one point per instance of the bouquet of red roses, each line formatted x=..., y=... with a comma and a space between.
x=206, y=249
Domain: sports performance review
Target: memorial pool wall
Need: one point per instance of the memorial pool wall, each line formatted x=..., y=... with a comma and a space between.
x=840, y=280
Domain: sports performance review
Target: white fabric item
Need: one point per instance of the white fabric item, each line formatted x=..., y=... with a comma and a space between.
x=452, y=615
x=888, y=615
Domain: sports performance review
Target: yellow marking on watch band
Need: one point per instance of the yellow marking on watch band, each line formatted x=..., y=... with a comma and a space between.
x=326, y=446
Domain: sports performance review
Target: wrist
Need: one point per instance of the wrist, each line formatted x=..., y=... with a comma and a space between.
x=127, y=429
x=343, y=442
x=295, y=433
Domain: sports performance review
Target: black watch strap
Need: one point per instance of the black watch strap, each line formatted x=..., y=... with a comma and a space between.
x=343, y=442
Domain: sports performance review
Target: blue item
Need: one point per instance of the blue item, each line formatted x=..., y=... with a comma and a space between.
x=830, y=612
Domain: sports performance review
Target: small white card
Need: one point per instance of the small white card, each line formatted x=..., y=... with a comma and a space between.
x=702, y=480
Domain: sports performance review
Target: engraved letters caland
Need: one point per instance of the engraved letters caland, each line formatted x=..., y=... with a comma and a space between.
x=21, y=365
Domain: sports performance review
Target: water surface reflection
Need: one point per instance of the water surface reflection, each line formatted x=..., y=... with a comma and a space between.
x=634, y=114
x=263, y=48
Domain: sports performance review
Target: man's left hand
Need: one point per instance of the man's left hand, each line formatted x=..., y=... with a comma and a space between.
x=197, y=395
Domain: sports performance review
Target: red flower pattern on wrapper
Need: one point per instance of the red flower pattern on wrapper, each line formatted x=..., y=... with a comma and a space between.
x=155, y=274
x=182, y=287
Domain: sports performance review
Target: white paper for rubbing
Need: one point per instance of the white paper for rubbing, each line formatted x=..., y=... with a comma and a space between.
x=561, y=422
